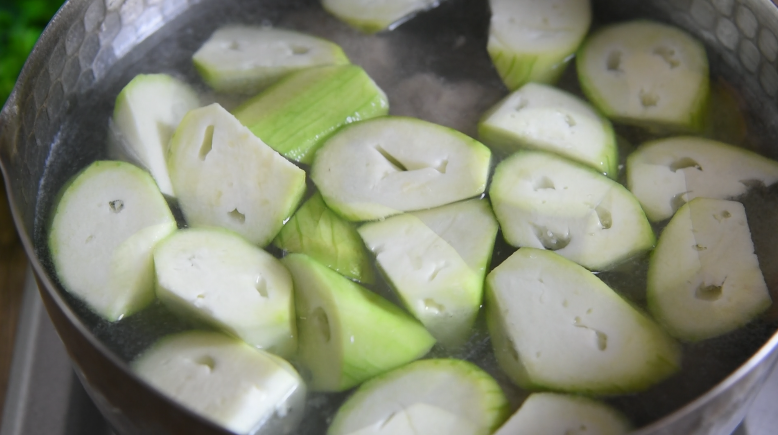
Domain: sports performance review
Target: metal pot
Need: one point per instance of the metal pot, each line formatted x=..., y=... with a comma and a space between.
x=56, y=121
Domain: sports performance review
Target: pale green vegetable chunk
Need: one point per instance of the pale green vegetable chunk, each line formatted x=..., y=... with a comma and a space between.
x=667, y=173
x=225, y=176
x=318, y=232
x=226, y=381
x=704, y=278
x=146, y=114
x=372, y=16
x=559, y=414
x=534, y=40
x=647, y=74
x=245, y=59
x=543, y=201
x=554, y=325
x=296, y=115
x=348, y=334
x=388, y=165
x=548, y=119
x=433, y=396
x=106, y=222
x=436, y=261
x=213, y=275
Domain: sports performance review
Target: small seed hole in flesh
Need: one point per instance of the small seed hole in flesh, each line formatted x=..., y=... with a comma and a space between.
x=207, y=145
x=699, y=247
x=604, y=215
x=390, y=158
x=300, y=50
x=708, y=292
x=261, y=285
x=668, y=55
x=322, y=323
x=726, y=215
x=602, y=340
x=432, y=306
x=116, y=205
x=89, y=239
x=570, y=121
x=683, y=163
x=234, y=46
x=521, y=105
x=543, y=183
x=613, y=63
x=237, y=216
x=648, y=99
x=206, y=361
x=550, y=240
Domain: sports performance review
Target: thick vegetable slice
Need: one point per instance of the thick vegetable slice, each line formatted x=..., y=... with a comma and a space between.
x=704, y=278
x=348, y=334
x=146, y=114
x=433, y=396
x=318, y=232
x=646, y=74
x=545, y=202
x=545, y=118
x=225, y=381
x=245, y=59
x=225, y=176
x=667, y=173
x=213, y=275
x=105, y=224
x=436, y=260
x=549, y=413
x=372, y=16
x=556, y=326
x=534, y=40
x=388, y=165
x=296, y=115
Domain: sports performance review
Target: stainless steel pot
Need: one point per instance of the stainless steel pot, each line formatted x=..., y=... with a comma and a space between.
x=55, y=122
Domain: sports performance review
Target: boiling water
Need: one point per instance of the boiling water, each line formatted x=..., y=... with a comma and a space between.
x=434, y=67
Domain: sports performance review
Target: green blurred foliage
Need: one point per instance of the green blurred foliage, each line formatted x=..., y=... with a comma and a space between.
x=21, y=23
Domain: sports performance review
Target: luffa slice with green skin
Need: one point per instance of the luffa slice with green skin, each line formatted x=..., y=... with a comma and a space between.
x=433, y=396
x=549, y=413
x=226, y=381
x=297, y=114
x=646, y=74
x=385, y=166
x=371, y=16
x=543, y=201
x=346, y=333
x=545, y=118
x=106, y=222
x=213, y=275
x=320, y=233
x=534, y=40
x=146, y=114
x=245, y=59
x=667, y=173
x=225, y=176
x=704, y=278
x=436, y=260
x=554, y=325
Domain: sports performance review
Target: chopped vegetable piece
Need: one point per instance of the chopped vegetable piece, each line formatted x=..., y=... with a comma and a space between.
x=388, y=165
x=433, y=396
x=545, y=202
x=318, y=232
x=436, y=260
x=549, y=413
x=667, y=173
x=548, y=119
x=225, y=381
x=534, y=40
x=704, y=278
x=225, y=176
x=556, y=326
x=245, y=59
x=214, y=275
x=372, y=16
x=296, y=115
x=348, y=334
x=646, y=74
x=146, y=114
x=106, y=222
